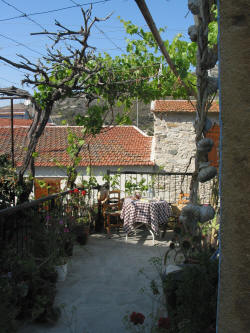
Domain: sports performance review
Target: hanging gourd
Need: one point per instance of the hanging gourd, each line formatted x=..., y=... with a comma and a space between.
x=206, y=174
x=194, y=6
x=190, y=214
x=192, y=31
x=212, y=85
x=209, y=59
x=207, y=213
x=205, y=145
x=208, y=125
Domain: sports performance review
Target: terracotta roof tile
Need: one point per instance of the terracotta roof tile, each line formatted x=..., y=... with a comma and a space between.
x=6, y=122
x=17, y=122
x=120, y=145
x=178, y=106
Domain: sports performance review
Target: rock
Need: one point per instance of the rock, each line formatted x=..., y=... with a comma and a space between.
x=173, y=152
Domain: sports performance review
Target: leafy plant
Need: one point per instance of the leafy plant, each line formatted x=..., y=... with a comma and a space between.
x=132, y=185
x=9, y=308
x=113, y=180
x=8, y=183
x=191, y=297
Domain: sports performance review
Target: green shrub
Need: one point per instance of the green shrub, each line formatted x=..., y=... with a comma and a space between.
x=191, y=297
x=8, y=305
x=36, y=286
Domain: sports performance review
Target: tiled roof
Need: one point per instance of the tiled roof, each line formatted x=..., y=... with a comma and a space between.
x=178, y=106
x=120, y=145
x=6, y=122
x=17, y=122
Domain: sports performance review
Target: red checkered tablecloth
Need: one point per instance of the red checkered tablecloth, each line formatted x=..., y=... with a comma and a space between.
x=153, y=213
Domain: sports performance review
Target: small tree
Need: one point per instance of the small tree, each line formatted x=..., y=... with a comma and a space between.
x=55, y=76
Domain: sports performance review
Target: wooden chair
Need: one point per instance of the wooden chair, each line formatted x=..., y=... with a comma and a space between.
x=182, y=201
x=112, y=211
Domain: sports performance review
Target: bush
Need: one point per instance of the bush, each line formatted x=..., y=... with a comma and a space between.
x=8, y=305
x=191, y=297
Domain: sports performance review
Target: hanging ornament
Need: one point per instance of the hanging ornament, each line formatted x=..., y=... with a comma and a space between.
x=190, y=214
x=208, y=125
x=212, y=85
x=203, y=165
x=205, y=145
x=210, y=60
x=207, y=213
x=206, y=174
x=192, y=31
x=194, y=6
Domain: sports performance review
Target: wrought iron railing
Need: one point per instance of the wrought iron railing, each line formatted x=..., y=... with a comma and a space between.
x=164, y=185
x=19, y=224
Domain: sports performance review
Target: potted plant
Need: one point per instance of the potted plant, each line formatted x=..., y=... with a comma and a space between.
x=188, y=306
x=81, y=229
x=61, y=267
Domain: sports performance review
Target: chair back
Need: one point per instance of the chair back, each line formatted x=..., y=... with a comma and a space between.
x=183, y=200
x=114, y=198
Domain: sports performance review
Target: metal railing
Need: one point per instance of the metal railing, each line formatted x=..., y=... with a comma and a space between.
x=164, y=185
x=19, y=224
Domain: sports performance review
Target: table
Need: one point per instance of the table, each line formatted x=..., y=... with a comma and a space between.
x=152, y=213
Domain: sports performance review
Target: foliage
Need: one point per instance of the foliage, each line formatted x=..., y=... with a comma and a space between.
x=142, y=72
x=191, y=245
x=27, y=289
x=135, y=322
x=113, y=181
x=8, y=183
x=213, y=28
x=92, y=121
x=38, y=298
x=8, y=306
x=132, y=185
x=191, y=297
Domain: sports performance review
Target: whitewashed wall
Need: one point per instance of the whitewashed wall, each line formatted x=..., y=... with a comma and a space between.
x=98, y=172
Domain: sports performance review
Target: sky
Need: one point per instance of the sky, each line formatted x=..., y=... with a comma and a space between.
x=108, y=36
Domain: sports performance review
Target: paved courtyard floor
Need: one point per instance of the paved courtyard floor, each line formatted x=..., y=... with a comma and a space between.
x=104, y=283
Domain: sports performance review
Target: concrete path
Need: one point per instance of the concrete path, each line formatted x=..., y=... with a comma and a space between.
x=103, y=284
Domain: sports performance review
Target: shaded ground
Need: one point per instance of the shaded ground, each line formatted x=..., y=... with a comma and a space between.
x=103, y=284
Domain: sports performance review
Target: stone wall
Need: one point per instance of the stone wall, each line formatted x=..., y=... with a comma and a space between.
x=175, y=140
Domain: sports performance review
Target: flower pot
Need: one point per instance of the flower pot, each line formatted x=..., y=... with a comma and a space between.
x=62, y=271
x=68, y=248
x=82, y=233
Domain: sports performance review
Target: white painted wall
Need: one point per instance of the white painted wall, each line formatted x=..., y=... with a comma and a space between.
x=97, y=171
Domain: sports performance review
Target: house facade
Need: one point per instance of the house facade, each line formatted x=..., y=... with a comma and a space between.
x=124, y=148
x=120, y=147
